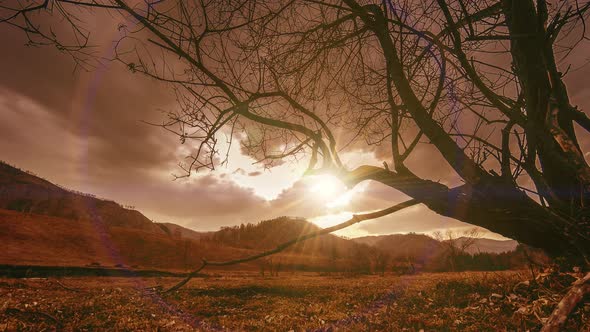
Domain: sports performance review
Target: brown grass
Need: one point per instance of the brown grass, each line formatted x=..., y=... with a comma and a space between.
x=451, y=301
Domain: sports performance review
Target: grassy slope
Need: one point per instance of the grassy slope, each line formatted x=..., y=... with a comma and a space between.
x=37, y=239
x=29, y=239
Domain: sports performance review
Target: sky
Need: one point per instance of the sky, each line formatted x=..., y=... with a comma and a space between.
x=87, y=131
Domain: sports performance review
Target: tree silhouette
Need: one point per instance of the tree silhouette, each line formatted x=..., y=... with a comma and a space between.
x=479, y=82
x=457, y=244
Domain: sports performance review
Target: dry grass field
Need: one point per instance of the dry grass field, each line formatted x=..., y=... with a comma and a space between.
x=234, y=302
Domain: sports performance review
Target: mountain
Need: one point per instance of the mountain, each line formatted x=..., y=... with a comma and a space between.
x=42, y=223
x=45, y=224
x=328, y=251
x=25, y=192
x=31, y=239
x=182, y=232
x=419, y=244
x=268, y=234
x=414, y=247
x=489, y=245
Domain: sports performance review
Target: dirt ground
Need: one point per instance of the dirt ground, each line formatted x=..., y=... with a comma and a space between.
x=474, y=301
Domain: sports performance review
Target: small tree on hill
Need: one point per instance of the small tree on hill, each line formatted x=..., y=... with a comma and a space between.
x=457, y=244
x=381, y=261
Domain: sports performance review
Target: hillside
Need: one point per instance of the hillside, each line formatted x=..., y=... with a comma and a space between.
x=268, y=234
x=25, y=192
x=31, y=239
x=419, y=244
x=42, y=240
x=181, y=232
x=44, y=224
x=490, y=245
x=415, y=247
x=334, y=252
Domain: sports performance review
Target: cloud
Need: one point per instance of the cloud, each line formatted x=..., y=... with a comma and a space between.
x=84, y=130
x=31, y=137
x=139, y=174
x=204, y=203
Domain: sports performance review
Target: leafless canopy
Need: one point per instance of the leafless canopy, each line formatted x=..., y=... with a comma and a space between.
x=480, y=82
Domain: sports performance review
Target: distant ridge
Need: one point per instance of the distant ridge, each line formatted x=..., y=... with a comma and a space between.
x=490, y=245
x=182, y=232
x=422, y=245
x=47, y=225
x=416, y=247
x=268, y=234
x=25, y=192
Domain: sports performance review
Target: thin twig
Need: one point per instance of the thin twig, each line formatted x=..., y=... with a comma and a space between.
x=17, y=312
x=68, y=288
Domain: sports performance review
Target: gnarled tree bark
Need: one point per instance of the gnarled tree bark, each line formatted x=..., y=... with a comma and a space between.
x=568, y=303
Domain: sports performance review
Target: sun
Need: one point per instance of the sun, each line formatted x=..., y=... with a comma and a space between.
x=326, y=187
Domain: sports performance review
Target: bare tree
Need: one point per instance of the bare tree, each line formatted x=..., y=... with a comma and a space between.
x=381, y=260
x=479, y=82
x=457, y=244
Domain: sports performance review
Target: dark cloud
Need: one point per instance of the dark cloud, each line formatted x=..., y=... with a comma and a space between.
x=84, y=130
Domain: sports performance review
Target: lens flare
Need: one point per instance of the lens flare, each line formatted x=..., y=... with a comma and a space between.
x=325, y=187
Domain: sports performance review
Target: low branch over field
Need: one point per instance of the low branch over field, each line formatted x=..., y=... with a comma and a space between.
x=357, y=218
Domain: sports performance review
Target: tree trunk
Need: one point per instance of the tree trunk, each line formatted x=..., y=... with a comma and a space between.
x=549, y=127
x=570, y=301
x=495, y=205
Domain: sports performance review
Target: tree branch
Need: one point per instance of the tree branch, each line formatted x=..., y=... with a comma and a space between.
x=569, y=302
x=357, y=218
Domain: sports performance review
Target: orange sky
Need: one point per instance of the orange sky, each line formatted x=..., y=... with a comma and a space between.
x=83, y=130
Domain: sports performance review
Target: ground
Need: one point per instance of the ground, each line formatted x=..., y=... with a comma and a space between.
x=470, y=301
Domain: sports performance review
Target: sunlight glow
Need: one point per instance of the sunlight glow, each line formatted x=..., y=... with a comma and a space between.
x=330, y=220
x=325, y=187
x=331, y=191
x=341, y=200
x=334, y=219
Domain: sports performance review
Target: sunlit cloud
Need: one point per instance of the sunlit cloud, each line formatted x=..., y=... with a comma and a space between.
x=330, y=220
x=347, y=197
x=242, y=170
